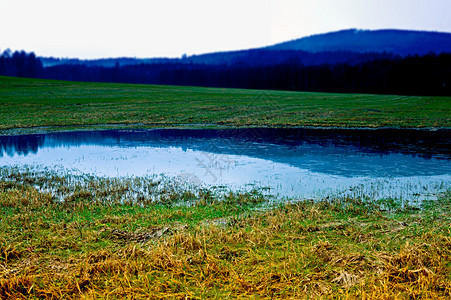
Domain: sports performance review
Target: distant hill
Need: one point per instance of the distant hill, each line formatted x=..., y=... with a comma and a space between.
x=350, y=61
x=350, y=46
x=252, y=57
x=342, y=72
x=102, y=62
x=397, y=42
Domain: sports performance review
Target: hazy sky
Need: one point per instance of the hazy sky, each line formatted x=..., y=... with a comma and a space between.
x=148, y=28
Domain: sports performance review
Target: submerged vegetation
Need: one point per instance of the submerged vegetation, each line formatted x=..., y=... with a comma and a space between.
x=32, y=103
x=68, y=237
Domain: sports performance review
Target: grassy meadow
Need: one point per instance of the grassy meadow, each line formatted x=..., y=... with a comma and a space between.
x=31, y=103
x=66, y=236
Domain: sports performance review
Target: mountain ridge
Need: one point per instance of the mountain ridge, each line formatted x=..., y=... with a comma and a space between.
x=394, y=41
x=354, y=42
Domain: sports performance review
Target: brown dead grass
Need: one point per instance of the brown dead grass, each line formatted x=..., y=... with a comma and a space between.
x=298, y=251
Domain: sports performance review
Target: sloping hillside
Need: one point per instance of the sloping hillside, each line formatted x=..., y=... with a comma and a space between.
x=399, y=42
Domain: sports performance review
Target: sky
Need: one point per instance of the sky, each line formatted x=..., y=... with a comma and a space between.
x=170, y=28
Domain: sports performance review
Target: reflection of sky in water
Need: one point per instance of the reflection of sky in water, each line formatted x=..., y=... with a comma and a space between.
x=304, y=169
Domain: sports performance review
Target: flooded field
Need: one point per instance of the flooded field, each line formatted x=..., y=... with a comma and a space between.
x=296, y=163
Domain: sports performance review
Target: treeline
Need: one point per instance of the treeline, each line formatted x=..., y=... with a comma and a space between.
x=20, y=64
x=427, y=75
x=247, y=58
x=265, y=57
x=415, y=75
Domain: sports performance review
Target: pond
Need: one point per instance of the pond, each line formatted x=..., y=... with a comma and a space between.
x=299, y=163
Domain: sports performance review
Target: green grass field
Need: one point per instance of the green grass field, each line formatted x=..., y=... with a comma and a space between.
x=31, y=103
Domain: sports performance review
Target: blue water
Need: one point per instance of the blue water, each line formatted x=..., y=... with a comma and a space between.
x=301, y=163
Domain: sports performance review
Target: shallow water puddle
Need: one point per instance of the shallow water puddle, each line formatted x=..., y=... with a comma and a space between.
x=304, y=163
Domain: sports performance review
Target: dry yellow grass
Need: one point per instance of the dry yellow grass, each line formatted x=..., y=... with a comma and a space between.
x=332, y=249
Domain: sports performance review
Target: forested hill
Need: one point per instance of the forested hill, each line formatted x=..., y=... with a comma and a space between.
x=347, y=46
x=387, y=69
x=397, y=42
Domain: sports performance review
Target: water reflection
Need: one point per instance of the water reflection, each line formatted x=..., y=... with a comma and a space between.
x=21, y=145
x=290, y=161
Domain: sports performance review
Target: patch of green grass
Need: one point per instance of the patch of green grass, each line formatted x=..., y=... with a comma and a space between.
x=30, y=103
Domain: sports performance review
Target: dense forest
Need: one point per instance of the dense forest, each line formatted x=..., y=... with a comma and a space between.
x=353, y=73
x=20, y=64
